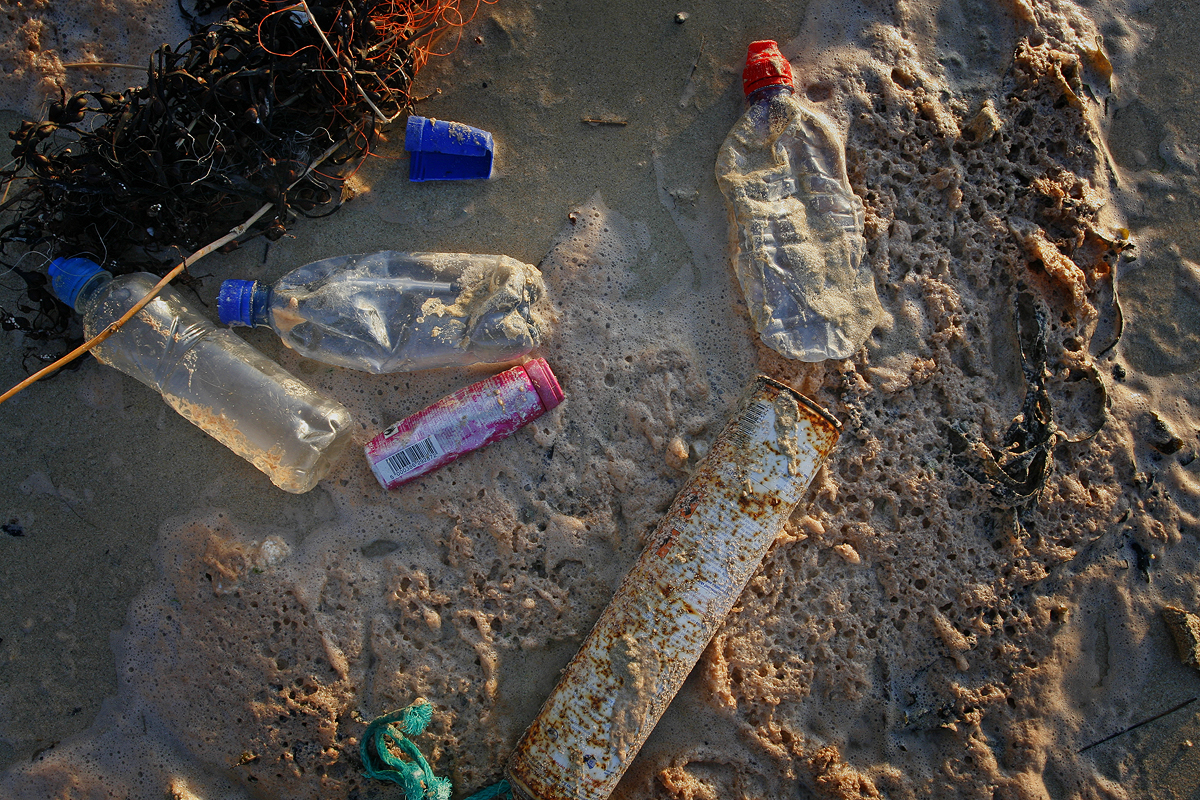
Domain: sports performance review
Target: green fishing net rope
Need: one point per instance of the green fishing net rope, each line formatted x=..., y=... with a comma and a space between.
x=414, y=774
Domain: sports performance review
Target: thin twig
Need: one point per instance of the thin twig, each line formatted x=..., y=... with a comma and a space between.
x=696, y=63
x=102, y=65
x=158, y=287
x=1140, y=724
x=409, y=39
x=425, y=97
x=137, y=307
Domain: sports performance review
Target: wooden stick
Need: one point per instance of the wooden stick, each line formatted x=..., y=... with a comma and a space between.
x=137, y=307
x=696, y=63
x=158, y=287
x=101, y=65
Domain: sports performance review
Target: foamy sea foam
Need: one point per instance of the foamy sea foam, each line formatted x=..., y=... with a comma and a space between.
x=912, y=634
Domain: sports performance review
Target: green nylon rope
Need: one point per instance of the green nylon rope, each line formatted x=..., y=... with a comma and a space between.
x=414, y=775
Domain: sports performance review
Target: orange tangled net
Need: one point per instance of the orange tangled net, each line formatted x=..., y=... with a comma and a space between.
x=231, y=118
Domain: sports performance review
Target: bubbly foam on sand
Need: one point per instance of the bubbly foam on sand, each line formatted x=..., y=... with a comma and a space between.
x=912, y=634
x=256, y=657
x=49, y=45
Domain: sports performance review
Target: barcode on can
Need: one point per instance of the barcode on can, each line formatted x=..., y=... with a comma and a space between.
x=748, y=421
x=399, y=464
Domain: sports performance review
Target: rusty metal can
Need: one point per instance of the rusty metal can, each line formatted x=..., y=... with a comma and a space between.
x=665, y=612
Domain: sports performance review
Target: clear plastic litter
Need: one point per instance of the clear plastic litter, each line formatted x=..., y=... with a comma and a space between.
x=796, y=224
x=212, y=377
x=397, y=312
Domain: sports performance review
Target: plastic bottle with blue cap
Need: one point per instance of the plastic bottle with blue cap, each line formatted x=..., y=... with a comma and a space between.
x=396, y=312
x=212, y=377
x=797, y=226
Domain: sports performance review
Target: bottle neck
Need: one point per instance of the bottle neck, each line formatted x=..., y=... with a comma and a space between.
x=767, y=92
x=92, y=290
x=260, y=305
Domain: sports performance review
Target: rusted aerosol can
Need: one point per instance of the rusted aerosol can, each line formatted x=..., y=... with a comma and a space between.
x=670, y=604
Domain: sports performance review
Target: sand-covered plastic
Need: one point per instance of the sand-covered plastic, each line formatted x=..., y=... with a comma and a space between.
x=397, y=312
x=796, y=225
x=908, y=635
x=441, y=150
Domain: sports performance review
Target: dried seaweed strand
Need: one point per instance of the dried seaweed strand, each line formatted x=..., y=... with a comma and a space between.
x=342, y=67
x=223, y=125
x=223, y=121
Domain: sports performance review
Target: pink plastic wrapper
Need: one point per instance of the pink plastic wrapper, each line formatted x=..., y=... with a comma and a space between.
x=470, y=418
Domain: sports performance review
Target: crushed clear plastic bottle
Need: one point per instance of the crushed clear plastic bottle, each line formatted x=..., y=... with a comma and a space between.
x=212, y=377
x=395, y=312
x=796, y=224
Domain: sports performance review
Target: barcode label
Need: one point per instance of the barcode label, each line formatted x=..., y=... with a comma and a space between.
x=747, y=422
x=401, y=463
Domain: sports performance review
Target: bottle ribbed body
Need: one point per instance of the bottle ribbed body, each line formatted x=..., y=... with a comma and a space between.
x=393, y=312
x=218, y=382
x=797, y=230
x=693, y=569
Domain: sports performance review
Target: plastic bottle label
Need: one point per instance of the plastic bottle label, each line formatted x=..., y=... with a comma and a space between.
x=398, y=465
x=466, y=420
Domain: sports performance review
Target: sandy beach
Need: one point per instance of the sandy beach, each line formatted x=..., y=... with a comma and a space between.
x=926, y=626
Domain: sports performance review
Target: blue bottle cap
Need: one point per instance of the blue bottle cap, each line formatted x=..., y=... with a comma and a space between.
x=446, y=151
x=243, y=303
x=68, y=276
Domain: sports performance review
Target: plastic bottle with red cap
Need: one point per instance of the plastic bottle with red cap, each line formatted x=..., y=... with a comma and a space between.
x=466, y=420
x=796, y=225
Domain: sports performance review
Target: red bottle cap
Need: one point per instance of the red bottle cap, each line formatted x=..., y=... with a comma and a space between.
x=765, y=66
x=543, y=380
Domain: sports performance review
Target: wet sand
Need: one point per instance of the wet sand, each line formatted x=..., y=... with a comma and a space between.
x=912, y=634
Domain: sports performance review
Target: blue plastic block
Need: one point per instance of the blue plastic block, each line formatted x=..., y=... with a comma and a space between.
x=446, y=151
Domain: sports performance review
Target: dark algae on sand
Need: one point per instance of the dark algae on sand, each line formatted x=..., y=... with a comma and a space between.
x=232, y=118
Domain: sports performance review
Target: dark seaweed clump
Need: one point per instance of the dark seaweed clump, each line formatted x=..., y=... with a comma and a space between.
x=227, y=121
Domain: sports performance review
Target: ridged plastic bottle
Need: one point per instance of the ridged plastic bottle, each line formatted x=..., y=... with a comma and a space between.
x=796, y=224
x=394, y=312
x=212, y=377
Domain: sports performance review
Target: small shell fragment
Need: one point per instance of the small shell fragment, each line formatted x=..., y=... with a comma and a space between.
x=848, y=552
x=677, y=453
